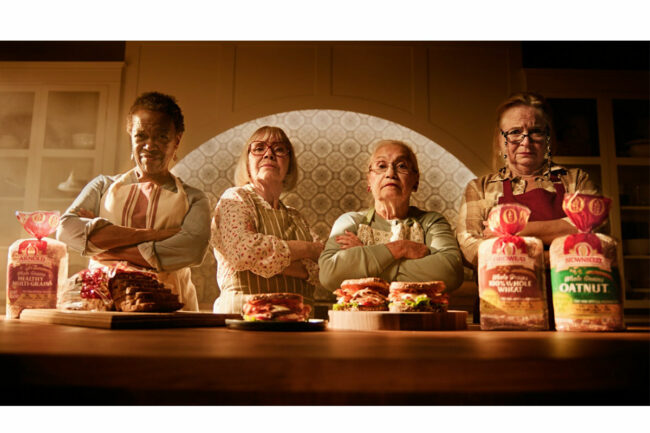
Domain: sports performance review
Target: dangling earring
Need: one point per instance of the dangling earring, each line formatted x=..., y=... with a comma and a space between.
x=368, y=189
x=132, y=158
x=175, y=158
x=547, y=155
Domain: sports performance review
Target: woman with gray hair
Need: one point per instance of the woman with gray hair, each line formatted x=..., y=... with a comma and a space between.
x=262, y=245
x=392, y=240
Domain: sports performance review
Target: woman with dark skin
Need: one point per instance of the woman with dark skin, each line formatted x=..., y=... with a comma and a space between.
x=147, y=216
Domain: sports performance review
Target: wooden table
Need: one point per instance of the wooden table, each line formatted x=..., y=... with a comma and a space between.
x=56, y=364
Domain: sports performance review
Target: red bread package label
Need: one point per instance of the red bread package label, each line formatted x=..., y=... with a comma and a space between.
x=585, y=280
x=586, y=211
x=36, y=268
x=508, y=219
x=510, y=273
x=40, y=223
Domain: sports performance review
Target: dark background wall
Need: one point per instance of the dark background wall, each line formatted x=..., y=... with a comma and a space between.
x=616, y=55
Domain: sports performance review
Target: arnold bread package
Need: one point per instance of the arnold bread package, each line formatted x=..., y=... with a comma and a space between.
x=511, y=278
x=584, y=273
x=36, y=267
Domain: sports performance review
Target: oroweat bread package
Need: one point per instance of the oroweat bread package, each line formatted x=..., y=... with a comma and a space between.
x=584, y=273
x=36, y=267
x=511, y=278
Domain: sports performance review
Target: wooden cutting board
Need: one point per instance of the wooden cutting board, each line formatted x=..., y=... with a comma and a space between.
x=121, y=320
x=452, y=320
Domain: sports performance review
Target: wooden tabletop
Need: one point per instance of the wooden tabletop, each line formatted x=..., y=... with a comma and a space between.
x=57, y=364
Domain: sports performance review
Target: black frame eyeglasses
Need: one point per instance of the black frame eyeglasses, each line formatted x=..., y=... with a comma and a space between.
x=537, y=134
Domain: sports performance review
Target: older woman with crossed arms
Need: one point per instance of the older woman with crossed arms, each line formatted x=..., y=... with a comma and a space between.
x=147, y=216
x=523, y=137
x=392, y=240
x=262, y=245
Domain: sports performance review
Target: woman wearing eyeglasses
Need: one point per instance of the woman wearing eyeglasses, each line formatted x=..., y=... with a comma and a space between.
x=392, y=240
x=523, y=138
x=262, y=245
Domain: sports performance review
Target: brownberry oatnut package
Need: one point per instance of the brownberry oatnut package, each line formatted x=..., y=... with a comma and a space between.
x=584, y=273
x=511, y=274
x=36, y=267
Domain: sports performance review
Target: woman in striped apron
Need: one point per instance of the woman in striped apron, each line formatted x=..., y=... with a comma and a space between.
x=147, y=216
x=262, y=245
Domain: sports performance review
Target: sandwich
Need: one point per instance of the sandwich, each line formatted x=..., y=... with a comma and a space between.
x=363, y=294
x=417, y=296
x=278, y=307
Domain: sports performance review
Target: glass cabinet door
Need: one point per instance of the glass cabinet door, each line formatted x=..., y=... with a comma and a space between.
x=575, y=123
x=631, y=131
x=71, y=121
x=16, y=114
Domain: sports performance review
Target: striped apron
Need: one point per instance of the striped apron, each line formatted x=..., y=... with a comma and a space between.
x=241, y=285
x=147, y=205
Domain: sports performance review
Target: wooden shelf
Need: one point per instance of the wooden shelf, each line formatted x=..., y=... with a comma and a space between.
x=577, y=160
x=69, y=153
x=632, y=161
x=639, y=207
x=637, y=256
x=14, y=153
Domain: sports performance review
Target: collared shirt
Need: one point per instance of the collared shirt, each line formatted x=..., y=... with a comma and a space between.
x=238, y=246
x=442, y=263
x=482, y=194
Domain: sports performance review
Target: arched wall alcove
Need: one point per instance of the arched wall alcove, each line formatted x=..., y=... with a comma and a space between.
x=332, y=149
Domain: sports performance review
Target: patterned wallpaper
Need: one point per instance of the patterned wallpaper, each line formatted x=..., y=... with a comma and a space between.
x=332, y=148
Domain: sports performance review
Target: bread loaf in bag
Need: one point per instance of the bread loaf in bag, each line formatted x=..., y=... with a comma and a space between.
x=511, y=279
x=36, y=267
x=584, y=273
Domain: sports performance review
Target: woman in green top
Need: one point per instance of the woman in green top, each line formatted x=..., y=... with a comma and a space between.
x=392, y=240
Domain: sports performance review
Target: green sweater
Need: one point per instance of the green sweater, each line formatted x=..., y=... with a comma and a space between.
x=443, y=263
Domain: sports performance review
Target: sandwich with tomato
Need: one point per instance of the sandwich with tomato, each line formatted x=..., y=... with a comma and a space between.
x=363, y=294
x=417, y=296
x=277, y=307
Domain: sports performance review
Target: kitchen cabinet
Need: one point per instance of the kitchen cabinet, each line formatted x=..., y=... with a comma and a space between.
x=601, y=125
x=58, y=130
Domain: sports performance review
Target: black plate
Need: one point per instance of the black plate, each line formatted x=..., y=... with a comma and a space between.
x=244, y=325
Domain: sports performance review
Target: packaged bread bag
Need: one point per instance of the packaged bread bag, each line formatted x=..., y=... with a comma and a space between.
x=511, y=279
x=584, y=273
x=36, y=267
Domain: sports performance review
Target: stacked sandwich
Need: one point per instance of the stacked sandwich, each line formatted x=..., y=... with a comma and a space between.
x=363, y=294
x=417, y=296
x=278, y=307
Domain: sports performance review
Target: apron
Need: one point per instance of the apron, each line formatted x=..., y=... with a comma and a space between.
x=147, y=205
x=408, y=229
x=544, y=205
x=241, y=285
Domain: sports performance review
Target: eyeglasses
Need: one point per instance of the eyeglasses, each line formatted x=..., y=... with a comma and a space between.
x=516, y=136
x=279, y=149
x=381, y=167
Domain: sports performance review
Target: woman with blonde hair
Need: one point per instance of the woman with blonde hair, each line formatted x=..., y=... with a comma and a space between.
x=262, y=245
x=523, y=140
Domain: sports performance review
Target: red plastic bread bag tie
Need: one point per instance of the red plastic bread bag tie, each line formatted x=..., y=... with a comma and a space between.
x=587, y=212
x=506, y=220
x=38, y=224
